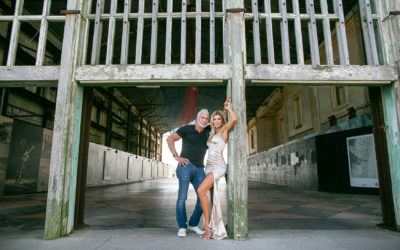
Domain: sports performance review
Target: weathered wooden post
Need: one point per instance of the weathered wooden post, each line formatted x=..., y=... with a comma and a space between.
x=237, y=176
x=64, y=153
x=390, y=37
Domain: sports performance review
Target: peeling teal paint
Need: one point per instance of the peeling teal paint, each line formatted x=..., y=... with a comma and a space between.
x=393, y=143
x=75, y=156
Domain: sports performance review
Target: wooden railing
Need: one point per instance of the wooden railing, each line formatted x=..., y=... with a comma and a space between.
x=16, y=20
x=99, y=46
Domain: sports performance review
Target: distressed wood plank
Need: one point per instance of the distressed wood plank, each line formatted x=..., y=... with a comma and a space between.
x=391, y=98
x=270, y=36
x=125, y=33
x=63, y=171
x=12, y=49
x=237, y=178
x=266, y=73
x=168, y=33
x=284, y=32
x=341, y=34
x=160, y=15
x=298, y=32
x=390, y=40
x=321, y=75
x=98, y=27
x=327, y=34
x=134, y=73
x=312, y=32
x=183, y=33
x=364, y=26
x=28, y=74
x=212, y=31
x=111, y=32
x=41, y=51
x=32, y=18
x=87, y=10
x=154, y=29
x=371, y=33
x=256, y=33
x=198, y=32
x=392, y=116
x=189, y=15
x=381, y=31
x=224, y=35
x=139, y=35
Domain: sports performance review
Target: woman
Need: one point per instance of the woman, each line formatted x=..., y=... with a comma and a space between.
x=215, y=169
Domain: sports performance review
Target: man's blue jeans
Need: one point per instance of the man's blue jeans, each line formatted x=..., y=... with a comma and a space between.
x=186, y=174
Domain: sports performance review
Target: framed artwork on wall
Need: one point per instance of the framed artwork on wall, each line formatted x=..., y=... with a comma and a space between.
x=362, y=161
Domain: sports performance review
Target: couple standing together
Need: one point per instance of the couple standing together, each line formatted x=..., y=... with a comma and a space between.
x=195, y=140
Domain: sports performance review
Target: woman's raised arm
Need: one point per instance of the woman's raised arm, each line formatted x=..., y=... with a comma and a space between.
x=229, y=125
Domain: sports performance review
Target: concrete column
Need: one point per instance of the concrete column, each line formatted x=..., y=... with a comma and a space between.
x=391, y=95
x=237, y=176
x=64, y=153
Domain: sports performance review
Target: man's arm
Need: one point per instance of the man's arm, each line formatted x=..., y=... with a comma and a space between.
x=171, y=145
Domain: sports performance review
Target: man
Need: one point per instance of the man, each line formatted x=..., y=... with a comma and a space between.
x=190, y=167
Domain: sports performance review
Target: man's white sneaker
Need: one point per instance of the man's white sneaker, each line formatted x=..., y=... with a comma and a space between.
x=182, y=232
x=196, y=229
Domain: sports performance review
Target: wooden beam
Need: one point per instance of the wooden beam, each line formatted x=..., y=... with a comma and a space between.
x=168, y=38
x=183, y=33
x=270, y=36
x=12, y=50
x=111, y=33
x=390, y=37
x=284, y=32
x=320, y=75
x=125, y=33
x=312, y=33
x=265, y=74
x=97, y=33
x=138, y=73
x=154, y=29
x=237, y=179
x=256, y=33
x=299, y=36
x=212, y=32
x=139, y=35
x=391, y=99
x=341, y=34
x=198, y=33
x=41, y=51
x=83, y=159
x=19, y=76
x=64, y=153
x=327, y=33
x=85, y=36
x=382, y=158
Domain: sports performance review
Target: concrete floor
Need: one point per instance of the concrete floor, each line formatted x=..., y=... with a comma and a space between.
x=142, y=215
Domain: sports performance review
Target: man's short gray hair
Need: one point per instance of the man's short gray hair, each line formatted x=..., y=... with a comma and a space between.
x=205, y=111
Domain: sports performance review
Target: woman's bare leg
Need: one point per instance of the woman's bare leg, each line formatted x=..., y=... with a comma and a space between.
x=207, y=183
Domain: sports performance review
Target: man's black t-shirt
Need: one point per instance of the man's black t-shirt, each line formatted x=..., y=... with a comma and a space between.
x=194, y=144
